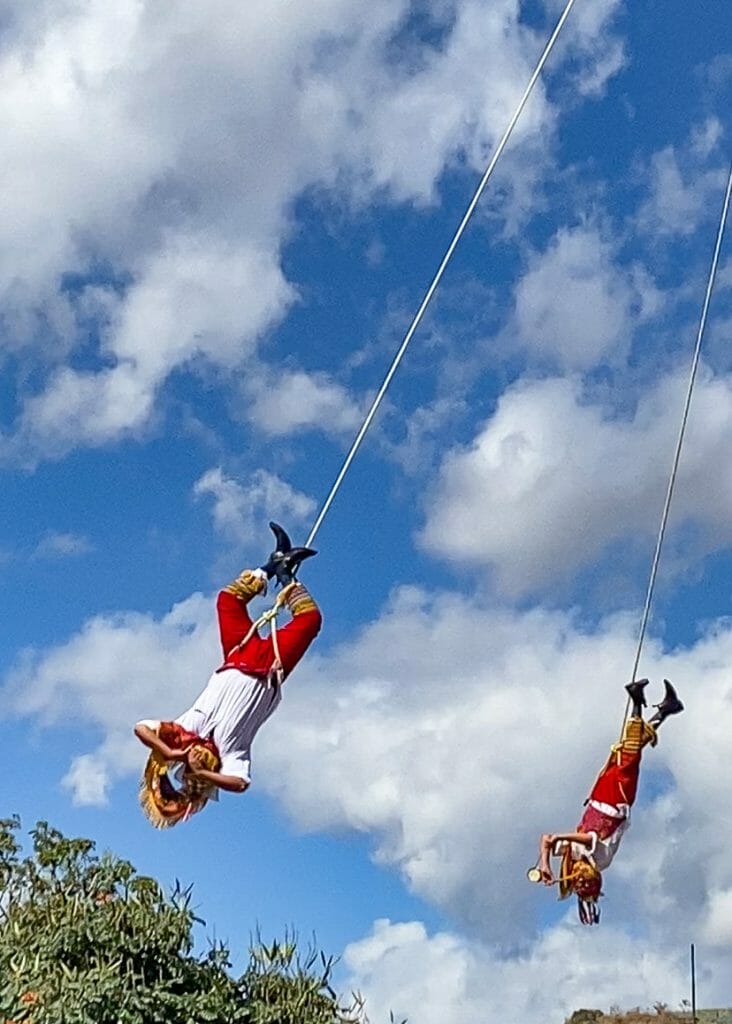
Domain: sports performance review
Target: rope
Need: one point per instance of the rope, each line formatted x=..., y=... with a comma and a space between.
x=277, y=671
x=438, y=276
x=682, y=431
x=269, y=615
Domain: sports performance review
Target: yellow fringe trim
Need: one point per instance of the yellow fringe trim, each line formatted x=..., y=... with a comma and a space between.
x=164, y=812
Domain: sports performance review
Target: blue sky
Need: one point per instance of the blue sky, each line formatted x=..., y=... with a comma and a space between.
x=216, y=227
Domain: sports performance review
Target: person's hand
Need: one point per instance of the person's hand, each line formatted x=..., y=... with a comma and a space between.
x=546, y=876
x=195, y=762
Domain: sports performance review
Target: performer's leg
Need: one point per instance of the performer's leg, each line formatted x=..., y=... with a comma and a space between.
x=295, y=638
x=257, y=655
x=670, y=705
x=617, y=783
x=234, y=620
x=637, y=696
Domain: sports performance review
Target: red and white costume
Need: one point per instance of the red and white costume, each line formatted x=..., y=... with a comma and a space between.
x=591, y=848
x=242, y=694
x=607, y=810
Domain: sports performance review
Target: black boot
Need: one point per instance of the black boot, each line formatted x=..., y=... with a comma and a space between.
x=285, y=560
x=670, y=705
x=635, y=692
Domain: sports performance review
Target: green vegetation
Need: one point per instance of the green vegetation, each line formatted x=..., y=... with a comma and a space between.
x=86, y=940
x=660, y=1014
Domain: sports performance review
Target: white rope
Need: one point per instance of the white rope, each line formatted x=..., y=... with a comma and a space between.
x=682, y=431
x=268, y=616
x=277, y=671
x=438, y=276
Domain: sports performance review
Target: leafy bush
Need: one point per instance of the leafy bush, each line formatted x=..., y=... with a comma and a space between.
x=86, y=940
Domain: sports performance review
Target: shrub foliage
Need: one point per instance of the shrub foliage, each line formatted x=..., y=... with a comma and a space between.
x=84, y=939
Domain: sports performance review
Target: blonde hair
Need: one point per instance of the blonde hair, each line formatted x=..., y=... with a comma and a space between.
x=162, y=803
x=581, y=878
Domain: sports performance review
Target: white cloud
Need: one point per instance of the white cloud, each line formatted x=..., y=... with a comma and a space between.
x=438, y=715
x=446, y=740
x=198, y=297
x=604, y=54
x=238, y=507
x=88, y=780
x=679, y=199
x=193, y=299
x=116, y=670
x=550, y=479
x=290, y=401
x=61, y=545
x=84, y=408
x=718, y=930
x=441, y=732
x=453, y=734
x=455, y=102
x=574, y=306
x=447, y=979
x=168, y=146
x=424, y=432
x=595, y=76
x=717, y=71
x=705, y=137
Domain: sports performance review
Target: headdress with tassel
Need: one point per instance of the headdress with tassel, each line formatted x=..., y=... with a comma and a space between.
x=585, y=881
x=163, y=803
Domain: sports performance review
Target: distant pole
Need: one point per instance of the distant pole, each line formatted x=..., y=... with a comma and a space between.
x=693, y=985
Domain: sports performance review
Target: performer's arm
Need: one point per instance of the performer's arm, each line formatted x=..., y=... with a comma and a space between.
x=229, y=783
x=545, y=866
x=548, y=846
x=583, y=838
x=146, y=734
x=234, y=620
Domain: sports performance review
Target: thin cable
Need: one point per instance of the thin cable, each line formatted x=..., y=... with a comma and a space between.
x=682, y=431
x=438, y=276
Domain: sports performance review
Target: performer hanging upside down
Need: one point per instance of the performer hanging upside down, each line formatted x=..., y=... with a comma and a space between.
x=209, y=745
x=588, y=851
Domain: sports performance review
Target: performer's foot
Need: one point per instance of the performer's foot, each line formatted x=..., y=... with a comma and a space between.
x=635, y=692
x=285, y=560
x=670, y=705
